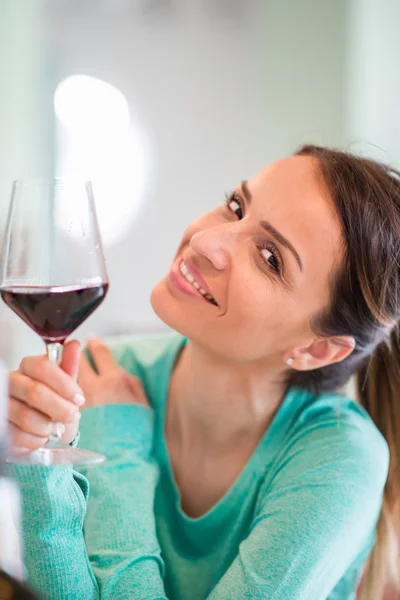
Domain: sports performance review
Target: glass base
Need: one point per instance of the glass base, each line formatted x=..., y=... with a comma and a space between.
x=62, y=455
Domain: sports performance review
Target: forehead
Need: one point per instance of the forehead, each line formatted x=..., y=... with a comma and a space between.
x=290, y=193
x=293, y=181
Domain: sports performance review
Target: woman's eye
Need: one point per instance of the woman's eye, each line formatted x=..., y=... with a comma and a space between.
x=271, y=259
x=234, y=206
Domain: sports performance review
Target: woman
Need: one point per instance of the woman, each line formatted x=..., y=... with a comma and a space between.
x=236, y=468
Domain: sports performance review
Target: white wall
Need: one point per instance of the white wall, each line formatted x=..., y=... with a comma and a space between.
x=220, y=94
x=25, y=127
x=25, y=144
x=303, y=63
x=373, y=82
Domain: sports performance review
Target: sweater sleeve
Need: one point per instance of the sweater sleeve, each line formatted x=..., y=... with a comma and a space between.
x=120, y=530
x=107, y=547
x=313, y=519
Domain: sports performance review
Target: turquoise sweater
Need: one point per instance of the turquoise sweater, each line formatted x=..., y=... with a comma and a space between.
x=298, y=523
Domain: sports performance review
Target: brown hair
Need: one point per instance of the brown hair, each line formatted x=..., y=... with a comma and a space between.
x=365, y=304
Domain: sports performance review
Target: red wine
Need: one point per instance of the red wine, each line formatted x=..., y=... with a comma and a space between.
x=54, y=312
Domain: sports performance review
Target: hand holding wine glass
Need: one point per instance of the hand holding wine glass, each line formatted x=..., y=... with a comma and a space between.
x=41, y=393
x=53, y=277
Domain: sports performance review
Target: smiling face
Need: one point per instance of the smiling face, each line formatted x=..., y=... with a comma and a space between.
x=264, y=259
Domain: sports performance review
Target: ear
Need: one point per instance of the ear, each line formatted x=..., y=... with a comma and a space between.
x=322, y=352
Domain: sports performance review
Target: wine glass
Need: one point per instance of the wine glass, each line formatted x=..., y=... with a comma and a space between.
x=53, y=276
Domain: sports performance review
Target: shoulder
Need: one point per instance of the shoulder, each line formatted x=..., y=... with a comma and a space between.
x=150, y=358
x=321, y=499
x=331, y=439
x=331, y=467
x=337, y=419
x=136, y=353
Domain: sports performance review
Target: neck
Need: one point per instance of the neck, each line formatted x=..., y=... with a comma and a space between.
x=217, y=403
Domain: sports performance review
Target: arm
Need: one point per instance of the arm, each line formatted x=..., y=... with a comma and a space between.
x=53, y=509
x=54, y=500
x=120, y=529
x=120, y=557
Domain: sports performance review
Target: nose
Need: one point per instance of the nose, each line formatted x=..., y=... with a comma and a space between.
x=214, y=244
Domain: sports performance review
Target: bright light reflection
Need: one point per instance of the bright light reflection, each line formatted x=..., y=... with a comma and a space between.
x=99, y=140
x=82, y=103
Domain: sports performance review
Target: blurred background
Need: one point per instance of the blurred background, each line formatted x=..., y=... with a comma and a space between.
x=166, y=104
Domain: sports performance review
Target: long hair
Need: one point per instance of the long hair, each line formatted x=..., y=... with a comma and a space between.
x=365, y=304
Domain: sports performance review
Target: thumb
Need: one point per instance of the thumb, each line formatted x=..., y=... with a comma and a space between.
x=70, y=358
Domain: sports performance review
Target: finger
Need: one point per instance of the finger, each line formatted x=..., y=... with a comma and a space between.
x=70, y=358
x=102, y=357
x=28, y=419
x=71, y=429
x=86, y=372
x=42, y=398
x=21, y=439
x=42, y=370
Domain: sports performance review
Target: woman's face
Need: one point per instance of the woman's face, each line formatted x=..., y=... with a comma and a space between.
x=264, y=259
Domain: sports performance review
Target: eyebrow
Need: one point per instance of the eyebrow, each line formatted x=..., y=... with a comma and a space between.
x=271, y=229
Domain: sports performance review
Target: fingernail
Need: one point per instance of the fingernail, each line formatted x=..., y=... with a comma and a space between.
x=77, y=416
x=70, y=342
x=60, y=429
x=79, y=399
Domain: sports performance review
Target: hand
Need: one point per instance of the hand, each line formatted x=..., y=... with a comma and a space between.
x=42, y=392
x=111, y=384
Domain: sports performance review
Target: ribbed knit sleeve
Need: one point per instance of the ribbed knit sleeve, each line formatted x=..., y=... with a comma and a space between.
x=106, y=547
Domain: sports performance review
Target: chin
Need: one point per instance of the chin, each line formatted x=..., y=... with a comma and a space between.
x=173, y=314
x=196, y=326
x=161, y=303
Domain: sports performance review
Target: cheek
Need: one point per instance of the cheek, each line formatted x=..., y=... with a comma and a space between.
x=253, y=315
x=252, y=295
x=261, y=318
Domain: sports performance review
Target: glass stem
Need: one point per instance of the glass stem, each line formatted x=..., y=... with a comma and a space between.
x=54, y=352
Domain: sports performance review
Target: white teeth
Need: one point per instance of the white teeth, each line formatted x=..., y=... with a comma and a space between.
x=189, y=277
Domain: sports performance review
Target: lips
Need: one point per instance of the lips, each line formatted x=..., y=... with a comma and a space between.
x=195, y=280
x=186, y=278
x=192, y=269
